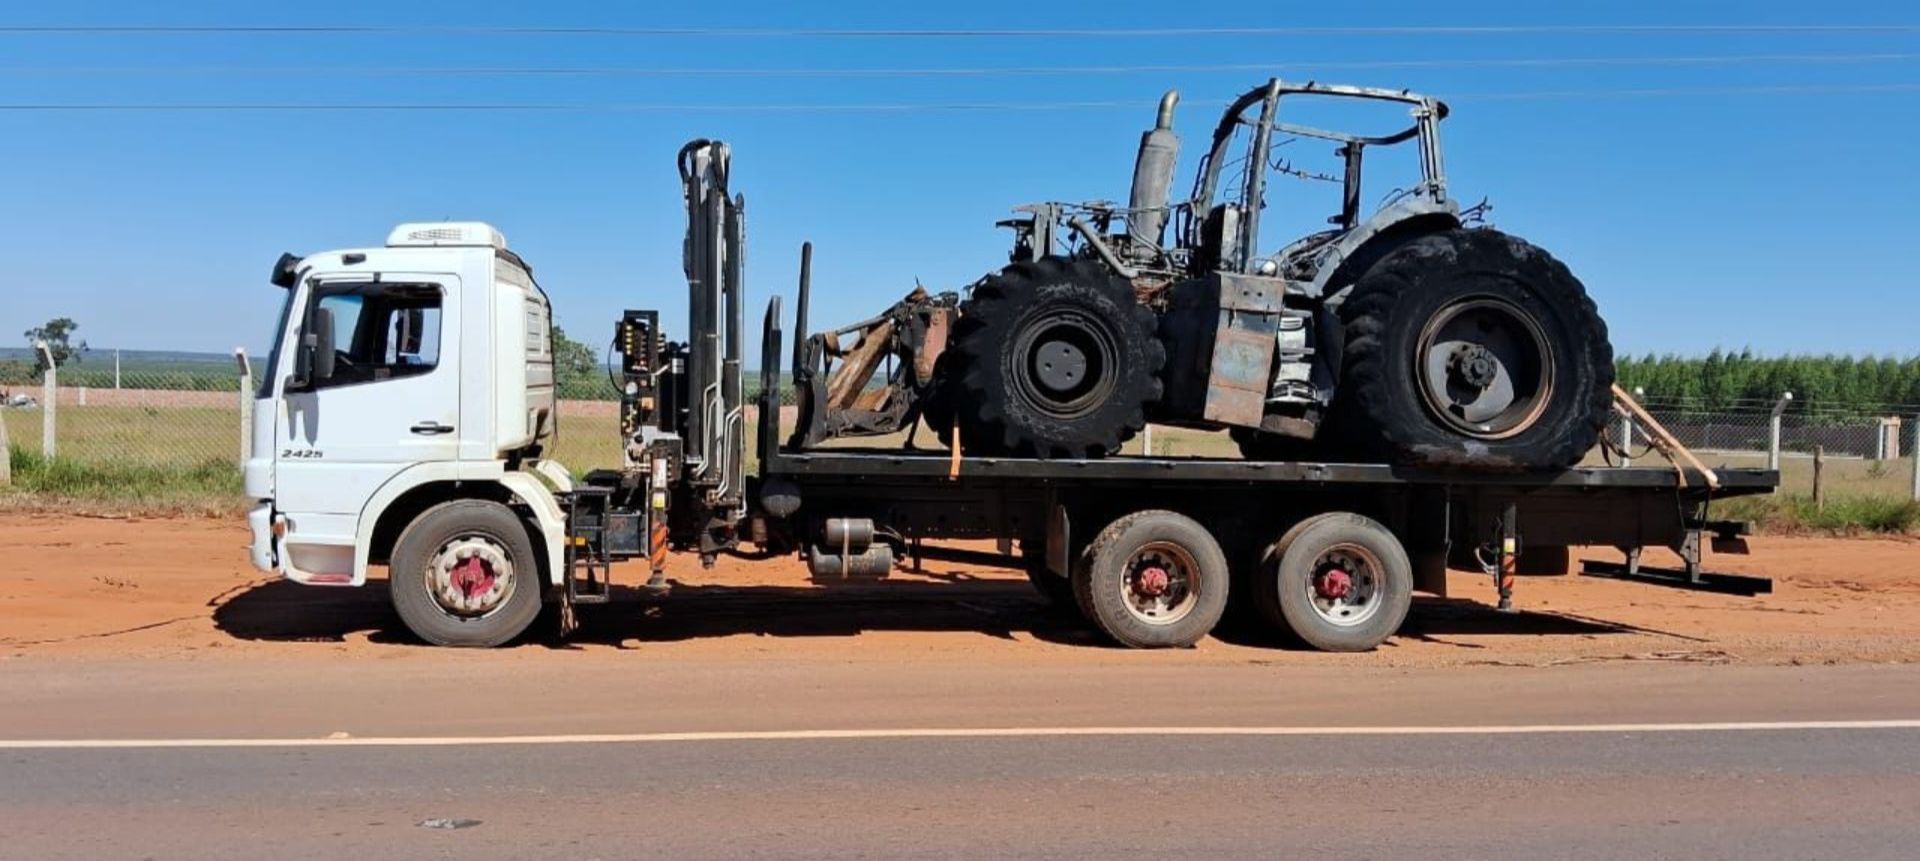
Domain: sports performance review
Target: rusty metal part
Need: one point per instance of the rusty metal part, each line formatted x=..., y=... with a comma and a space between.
x=1484, y=368
x=836, y=382
x=850, y=378
x=939, y=326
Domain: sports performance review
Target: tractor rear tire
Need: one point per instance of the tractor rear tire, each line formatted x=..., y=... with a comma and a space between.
x=1052, y=359
x=1472, y=348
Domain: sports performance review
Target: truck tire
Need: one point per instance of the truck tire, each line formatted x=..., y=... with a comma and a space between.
x=1153, y=579
x=1472, y=348
x=464, y=573
x=1340, y=582
x=1054, y=359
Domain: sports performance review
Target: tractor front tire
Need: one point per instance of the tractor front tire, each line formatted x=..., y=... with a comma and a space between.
x=1053, y=359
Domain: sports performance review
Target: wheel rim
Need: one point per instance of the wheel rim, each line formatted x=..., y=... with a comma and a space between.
x=1344, y=587
x=1162, y=583
x=1484, y=368
x=470, y=577
x=1064, y=363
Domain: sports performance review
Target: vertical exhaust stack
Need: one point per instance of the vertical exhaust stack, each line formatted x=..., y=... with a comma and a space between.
x=1153, y=176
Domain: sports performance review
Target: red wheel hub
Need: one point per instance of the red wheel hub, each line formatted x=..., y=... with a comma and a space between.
x=1153, y=581
x=472, y=576
x=1333, y=584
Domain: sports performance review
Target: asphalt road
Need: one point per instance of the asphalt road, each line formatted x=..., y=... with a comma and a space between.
x=1424, y=789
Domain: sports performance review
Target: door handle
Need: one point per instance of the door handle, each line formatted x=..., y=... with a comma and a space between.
x=431, y=428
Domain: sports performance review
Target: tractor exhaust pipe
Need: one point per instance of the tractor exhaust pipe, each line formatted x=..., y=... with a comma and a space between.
x=1153, y=176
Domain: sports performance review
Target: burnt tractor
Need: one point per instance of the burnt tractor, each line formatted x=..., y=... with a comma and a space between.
x=1411, y=334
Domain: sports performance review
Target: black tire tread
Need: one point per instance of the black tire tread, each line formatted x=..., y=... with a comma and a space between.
x=1370, y=415
x=987, y=321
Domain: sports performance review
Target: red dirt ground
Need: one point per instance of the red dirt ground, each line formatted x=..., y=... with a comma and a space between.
x=81, y=588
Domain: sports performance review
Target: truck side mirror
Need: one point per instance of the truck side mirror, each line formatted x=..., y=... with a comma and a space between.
x=320, y=345
x=313, y=353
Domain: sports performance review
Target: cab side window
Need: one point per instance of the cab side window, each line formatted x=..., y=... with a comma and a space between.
x=382, y=332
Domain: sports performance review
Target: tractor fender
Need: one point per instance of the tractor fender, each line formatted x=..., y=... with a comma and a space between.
x=1353, y=254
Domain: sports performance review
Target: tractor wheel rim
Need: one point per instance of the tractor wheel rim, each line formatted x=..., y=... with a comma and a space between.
x=1162, y=583
x=1064, y=363
x=1484, y=368
x=1345, y=586
x=470, y=577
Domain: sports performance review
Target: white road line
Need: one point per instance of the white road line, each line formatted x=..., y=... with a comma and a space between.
x=946, y=732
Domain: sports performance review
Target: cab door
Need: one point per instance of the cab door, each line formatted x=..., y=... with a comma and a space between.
x=390, y=400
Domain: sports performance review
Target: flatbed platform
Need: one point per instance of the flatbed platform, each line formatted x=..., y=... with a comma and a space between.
x=893, y=463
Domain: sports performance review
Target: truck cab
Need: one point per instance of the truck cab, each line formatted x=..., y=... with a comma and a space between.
x=402, y=377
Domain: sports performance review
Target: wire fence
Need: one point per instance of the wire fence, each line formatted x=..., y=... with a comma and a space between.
x=195, y=418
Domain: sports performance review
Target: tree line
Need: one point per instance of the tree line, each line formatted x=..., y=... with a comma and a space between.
x=1724, y=381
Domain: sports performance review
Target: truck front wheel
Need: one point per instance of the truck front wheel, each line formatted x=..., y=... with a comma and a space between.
x=464, y=574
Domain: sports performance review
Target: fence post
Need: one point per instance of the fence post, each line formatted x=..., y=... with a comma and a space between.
x=1773, y=431
x=116, y=370
x=1915, y=450
x=246, y=404
x=6, y=453
x=1626, y=428
x=49, y=401
x=1819, y=488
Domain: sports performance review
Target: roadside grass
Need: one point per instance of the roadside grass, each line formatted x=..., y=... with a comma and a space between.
x=210, y=488
x=1795, y=513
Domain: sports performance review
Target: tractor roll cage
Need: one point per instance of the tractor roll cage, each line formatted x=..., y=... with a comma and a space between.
x=1427, y=113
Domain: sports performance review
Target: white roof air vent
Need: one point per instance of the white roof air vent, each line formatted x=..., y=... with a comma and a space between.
x=446, y=233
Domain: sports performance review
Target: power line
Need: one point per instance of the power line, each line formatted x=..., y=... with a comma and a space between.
x=903, y=107
x=979, y=71
x=959, y=33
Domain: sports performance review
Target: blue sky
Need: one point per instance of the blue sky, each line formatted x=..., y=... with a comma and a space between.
x=1772, y=221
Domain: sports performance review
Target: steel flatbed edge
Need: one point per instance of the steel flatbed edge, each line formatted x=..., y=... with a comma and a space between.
x=888, y=465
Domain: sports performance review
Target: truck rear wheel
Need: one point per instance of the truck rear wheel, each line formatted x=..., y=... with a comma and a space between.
x=1340, y=582
x=464, y=574
x=1473, y=348
x=1153, y=579
x=1054, y=358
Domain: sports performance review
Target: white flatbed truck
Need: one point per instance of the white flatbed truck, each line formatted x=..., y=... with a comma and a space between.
x=409, y=402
